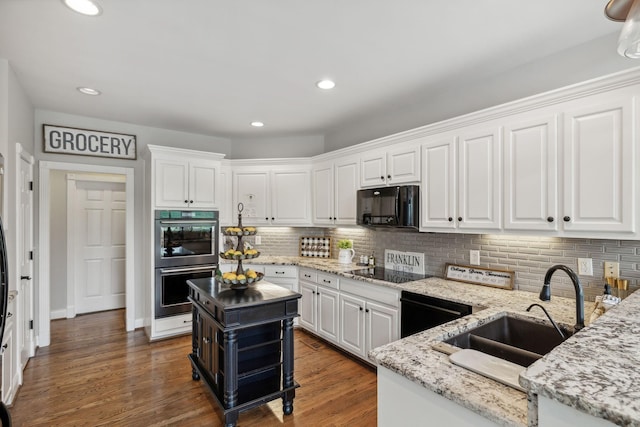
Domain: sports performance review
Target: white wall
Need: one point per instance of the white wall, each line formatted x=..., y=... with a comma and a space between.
x=144, y=136
x=280, y=147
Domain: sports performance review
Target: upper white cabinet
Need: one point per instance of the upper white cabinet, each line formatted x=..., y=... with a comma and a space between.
x=438, y=189
x=185, y=178
x=335, y=184
x=280, y=196
x=599, y=166
x=461, y=182
x=224, y=195
x=396, y=165
x=531, y=173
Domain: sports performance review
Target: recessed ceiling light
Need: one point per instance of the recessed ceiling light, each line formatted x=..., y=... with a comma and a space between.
x=257, y=124
x=89, y=91
x=85, y=7
x=326, y=84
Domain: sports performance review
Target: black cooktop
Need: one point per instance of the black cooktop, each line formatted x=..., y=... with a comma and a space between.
x=392, y=276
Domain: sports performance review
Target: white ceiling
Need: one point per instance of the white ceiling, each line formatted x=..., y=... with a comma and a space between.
x=213, y=66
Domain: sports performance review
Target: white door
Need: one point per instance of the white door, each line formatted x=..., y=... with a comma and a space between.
x=308, y=310
x=323, y=194
x=25, y=250
x=381, y=325
x=352, y=324
x=202, y=185
x=290, y=197
x=403, y=165
x=251, y=188
x=346, y=189
x=99, y=244
x=172, y=183
x=373, y=168
x=328, y=319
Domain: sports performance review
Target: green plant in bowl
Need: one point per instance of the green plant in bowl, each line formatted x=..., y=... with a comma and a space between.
x=345, y=244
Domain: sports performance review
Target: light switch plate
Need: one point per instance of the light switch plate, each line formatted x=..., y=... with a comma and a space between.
x=585, y=266
x=474, y=257
x=258, y=240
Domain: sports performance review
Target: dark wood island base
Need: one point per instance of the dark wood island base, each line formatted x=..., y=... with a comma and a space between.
x=243, y=344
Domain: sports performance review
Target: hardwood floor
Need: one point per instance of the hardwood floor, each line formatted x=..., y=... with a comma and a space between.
x=96, y=374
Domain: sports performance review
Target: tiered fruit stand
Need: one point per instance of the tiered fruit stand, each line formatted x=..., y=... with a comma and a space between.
x=241, y=279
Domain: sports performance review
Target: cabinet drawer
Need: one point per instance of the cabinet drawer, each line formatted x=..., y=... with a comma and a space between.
x=328, y=280
x=182, y=321
x=291, y=284
x=371, y=292
x=308, y=275
x=276, y=271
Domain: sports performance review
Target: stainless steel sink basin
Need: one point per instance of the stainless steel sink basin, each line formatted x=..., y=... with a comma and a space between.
x=514, y=339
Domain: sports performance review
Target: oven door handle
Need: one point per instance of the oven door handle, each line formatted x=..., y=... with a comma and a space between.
x=432, y=307
x=189, y=221
x=186, y=269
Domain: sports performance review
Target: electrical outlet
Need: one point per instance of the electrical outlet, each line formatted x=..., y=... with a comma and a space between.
x=585, y=266
x=258, y=240
x=474, y=257
x=611, y=269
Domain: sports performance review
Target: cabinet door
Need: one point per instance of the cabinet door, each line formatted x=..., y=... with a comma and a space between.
x=352, y=324
x=291, y=197
x=171, y=183
x=479, y=183
x=328, y=317
x=598, y=167
x=8, y=367
x=381, y=325
x=252, y=190
x=438, y=184
x=223, y=193
x=373, y=169
x=308, y=311
x=323, y=194
x=531, y=175
x=403, y=165
x=202, y=185
x=346, y=188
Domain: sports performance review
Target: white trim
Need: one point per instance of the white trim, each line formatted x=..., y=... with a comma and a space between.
x=45, y=168
x=71, y=234
x=58, y=314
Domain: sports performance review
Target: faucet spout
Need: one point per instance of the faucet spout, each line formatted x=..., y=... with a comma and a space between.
x=545, y=293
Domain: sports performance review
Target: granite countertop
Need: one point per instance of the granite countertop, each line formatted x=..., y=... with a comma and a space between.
x=594, y=371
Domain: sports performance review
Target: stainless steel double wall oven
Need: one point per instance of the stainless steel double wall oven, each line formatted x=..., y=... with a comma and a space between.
x=186, y=244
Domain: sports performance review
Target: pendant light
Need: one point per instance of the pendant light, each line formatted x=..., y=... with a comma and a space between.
x=629, y=12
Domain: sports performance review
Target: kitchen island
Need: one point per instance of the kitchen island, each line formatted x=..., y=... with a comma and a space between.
x=243, y=344
x=595, y=372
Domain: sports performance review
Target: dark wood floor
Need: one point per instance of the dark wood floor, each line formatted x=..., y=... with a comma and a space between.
x=96, y=374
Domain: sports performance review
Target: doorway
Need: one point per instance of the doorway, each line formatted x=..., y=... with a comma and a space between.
x=96, y=243
x=47, y=233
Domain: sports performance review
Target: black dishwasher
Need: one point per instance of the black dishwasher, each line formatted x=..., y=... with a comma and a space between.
x=420, y=312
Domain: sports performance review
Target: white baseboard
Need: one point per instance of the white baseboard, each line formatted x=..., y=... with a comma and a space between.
x=58, y=314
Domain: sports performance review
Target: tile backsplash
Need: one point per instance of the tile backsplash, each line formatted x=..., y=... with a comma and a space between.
x=528, y=256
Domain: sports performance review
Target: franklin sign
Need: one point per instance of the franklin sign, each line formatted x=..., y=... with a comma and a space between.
x=84, y=142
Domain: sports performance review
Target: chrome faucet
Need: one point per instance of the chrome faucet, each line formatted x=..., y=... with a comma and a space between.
x=545, y=293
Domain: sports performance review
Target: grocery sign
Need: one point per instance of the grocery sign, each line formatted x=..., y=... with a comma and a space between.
x=83, y=142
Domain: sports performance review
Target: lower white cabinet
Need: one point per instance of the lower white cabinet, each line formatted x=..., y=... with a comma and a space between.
x=366, y=324
x=355, y=315
x=282, y=275
x=10, y=372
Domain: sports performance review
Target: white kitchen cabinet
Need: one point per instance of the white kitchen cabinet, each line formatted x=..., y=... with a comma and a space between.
x=599, y=166
x=319, y=304
x=462, y=184
x=397, y=165
x=335, y=185
x=282, y=275
x=185, y=178
x=479, y=179
x=368, y=316
x=8, y=352
x=531, y=173
x=278, y=197
x=224, y=192
x=438, y=190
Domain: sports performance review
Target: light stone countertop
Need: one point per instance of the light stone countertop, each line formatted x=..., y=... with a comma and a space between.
x=595, y=371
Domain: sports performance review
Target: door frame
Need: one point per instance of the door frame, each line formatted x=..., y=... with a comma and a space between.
x=44, y=239
x=72, y=179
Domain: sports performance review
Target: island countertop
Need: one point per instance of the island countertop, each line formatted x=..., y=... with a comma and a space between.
x=594, y=371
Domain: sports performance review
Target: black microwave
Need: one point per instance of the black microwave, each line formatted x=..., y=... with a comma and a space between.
x=397, y=206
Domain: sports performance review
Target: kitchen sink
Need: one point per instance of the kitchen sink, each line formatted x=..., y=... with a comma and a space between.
x=510, y=338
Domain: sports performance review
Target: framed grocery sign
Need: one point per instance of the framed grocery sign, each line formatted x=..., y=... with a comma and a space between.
x=84, y=142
